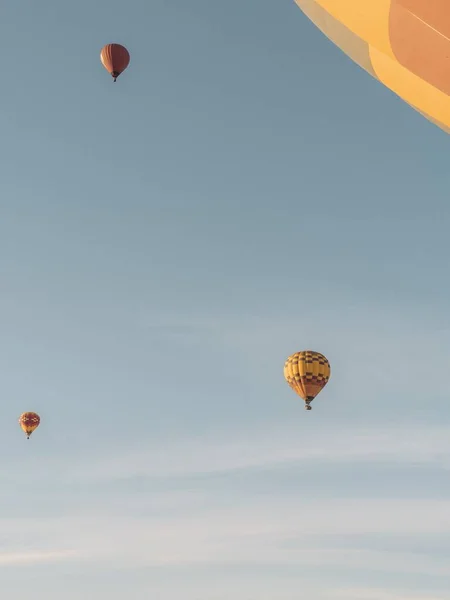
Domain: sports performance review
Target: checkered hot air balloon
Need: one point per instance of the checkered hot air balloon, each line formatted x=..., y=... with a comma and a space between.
x=29, y=421
x=405, y=44
x=307, y=372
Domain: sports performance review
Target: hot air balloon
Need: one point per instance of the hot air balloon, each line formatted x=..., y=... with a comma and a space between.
x=115, y=58
x=405, y=44
x=29, y=421
x=307, y=372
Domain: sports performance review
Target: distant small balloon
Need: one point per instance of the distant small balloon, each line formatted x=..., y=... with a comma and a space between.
x=115, y=58
x=29, y=421
x=307, y=372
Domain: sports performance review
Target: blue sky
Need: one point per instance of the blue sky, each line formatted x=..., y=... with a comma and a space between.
x=242, y=192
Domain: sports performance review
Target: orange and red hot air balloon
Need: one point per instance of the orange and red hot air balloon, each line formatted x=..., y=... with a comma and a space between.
x=115, y=58
x=29, y=421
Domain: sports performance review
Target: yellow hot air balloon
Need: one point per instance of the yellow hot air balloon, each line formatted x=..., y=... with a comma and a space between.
x=29, y=421
x=307, y=372
x=405, y=44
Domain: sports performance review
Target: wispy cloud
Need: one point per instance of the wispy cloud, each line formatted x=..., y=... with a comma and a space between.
x=268, y=449
x=264, y=448
x=9, y=559
x=272, y=532
x=382, y=594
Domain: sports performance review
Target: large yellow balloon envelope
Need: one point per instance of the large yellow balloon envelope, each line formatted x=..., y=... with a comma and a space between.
x=307, y=372
x=29, y=421
x=405, y=44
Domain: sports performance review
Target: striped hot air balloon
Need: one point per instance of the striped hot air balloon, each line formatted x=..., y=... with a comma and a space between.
x=115, y=58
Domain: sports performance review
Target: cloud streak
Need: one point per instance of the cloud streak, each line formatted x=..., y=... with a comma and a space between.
x=381, y=594
x=271, y=532
x=11, y=559
x=270, y=449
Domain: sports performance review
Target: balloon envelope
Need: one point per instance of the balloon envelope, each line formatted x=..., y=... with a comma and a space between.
x=29, y=421
x=307, y=372
x=405, y=44
x=115, y=58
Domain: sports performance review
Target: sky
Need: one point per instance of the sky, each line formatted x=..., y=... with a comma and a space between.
x=244, y=191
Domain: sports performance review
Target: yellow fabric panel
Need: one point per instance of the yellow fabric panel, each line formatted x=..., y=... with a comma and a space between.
x=29, y=428
x=417, y=92
x=293, y=376
x=368, y=19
